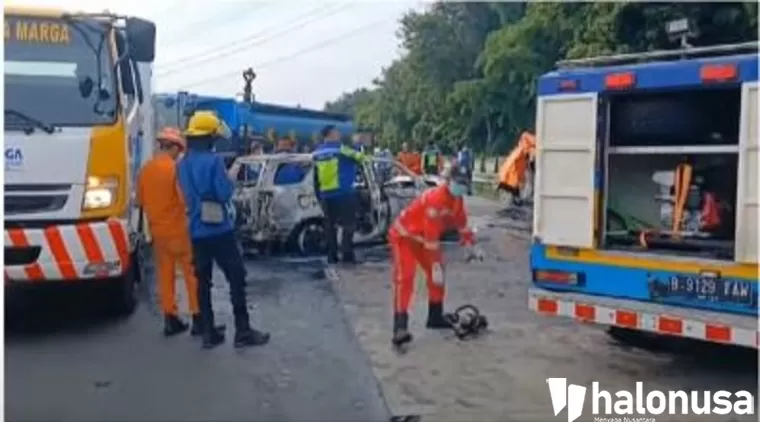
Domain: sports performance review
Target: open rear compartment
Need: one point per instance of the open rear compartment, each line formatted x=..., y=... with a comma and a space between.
x=671, y=172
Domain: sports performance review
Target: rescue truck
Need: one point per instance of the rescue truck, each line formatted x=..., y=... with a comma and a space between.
x=77, y=128
x=646, y=194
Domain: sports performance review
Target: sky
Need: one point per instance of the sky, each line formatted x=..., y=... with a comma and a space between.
x=303, y=52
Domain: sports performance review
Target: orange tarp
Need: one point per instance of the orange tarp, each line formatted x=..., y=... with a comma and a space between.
x=512, y=170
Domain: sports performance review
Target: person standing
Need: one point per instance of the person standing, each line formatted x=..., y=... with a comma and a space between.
x=432, y=162
x=410, y=159
x=208, y=190
x=465, y=161
x=160, y=197
x=414, y=239
x=336, y=167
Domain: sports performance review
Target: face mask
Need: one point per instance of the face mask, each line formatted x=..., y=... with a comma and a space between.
x=457, y=189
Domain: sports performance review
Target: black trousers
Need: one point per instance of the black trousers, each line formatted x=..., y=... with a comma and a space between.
x=340, y=211
x=223, y=250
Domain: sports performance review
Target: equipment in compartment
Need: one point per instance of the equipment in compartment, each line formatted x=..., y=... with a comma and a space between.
x=673, y=203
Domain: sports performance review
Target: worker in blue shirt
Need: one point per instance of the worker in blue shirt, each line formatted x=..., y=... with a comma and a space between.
x=208, y=190
x=287, y=173
x=334, y=175
x=465, y=161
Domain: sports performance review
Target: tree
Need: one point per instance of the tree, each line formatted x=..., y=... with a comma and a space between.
x=470, y=69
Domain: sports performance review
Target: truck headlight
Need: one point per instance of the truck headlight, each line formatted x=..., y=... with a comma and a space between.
x=100, y=192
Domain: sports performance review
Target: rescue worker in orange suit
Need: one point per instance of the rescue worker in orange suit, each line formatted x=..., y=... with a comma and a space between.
x=410, y=159
x=159, y=194
x=415, y=240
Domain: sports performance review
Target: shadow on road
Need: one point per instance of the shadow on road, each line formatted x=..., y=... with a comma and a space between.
x=55, y=310
x=690, y=354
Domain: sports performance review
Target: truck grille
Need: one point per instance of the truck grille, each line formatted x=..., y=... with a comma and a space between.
x=27, y=204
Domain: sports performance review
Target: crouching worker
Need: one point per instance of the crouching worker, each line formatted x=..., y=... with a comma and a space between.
x=208, y=190
x=161, y=199
x=415, y=240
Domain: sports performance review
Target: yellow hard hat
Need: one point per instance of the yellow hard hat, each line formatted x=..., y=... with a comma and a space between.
x=204, y=123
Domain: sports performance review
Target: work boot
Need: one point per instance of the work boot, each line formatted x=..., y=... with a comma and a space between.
x=435, y=320
x=251, y=337
x=213, y=335
x=173, y=325
x=212, y=338
x=197, y=328
x=349, y=258
x=401, y=334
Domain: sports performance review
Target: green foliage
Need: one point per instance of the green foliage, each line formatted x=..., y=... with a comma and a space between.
x=469, y=70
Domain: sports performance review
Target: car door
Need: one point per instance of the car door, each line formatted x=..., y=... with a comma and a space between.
x=372, y=204
x=402, y=187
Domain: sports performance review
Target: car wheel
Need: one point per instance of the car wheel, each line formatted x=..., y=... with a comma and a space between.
x=123, y=290
x=308, y=239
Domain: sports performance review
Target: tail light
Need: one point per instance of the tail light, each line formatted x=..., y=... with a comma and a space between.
x=558, y=277
x=716, y=73
x=623, y=80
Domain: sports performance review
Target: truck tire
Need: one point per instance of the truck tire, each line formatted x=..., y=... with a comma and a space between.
x=123, y=291
x=639, y=339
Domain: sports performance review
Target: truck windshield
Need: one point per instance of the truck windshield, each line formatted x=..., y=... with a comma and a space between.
x=52, y=70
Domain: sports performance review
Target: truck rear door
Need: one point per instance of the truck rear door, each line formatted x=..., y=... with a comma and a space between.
x=746, y=250
x=565, y=170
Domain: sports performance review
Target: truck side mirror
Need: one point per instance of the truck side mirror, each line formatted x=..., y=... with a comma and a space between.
x=142, y=39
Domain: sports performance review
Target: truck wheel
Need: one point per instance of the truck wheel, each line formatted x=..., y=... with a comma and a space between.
x=638, y=339
x=308, y=238
x=123, y=291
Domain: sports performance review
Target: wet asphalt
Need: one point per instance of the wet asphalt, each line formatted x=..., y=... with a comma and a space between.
x=66, y=360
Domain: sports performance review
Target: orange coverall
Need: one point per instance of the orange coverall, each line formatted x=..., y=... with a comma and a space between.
x=415, y=239
x=161, y=198
x=411, y=160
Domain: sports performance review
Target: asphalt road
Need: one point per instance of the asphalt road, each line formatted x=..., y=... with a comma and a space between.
x=501, y=376
x=329, y=358
x=64, y=361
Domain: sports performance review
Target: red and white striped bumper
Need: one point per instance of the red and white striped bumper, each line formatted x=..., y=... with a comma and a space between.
x=739, y=330
x=67, y=252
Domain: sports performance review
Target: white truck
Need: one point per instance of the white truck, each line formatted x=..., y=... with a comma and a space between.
x=78, y=125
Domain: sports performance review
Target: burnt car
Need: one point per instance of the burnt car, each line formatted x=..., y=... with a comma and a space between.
x=289, y=216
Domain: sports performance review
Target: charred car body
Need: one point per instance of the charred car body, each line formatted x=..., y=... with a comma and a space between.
x=289, y=215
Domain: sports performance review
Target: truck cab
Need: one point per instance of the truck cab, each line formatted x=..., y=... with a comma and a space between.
x=76, y=130
x=646, y=193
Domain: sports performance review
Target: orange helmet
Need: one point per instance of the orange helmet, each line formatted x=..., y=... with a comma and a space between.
x=172, y=135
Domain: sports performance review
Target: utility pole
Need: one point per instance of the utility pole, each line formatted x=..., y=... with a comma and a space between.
x=248, y=76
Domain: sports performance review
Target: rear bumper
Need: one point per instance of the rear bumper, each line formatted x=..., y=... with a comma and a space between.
x=716, y=327
x=66, y=252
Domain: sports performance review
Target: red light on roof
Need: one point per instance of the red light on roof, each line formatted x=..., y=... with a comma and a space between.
x=620, y=80
x=568, y=85
x=718, y=72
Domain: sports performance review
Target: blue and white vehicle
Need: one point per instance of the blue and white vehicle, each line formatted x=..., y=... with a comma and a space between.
x=615, y=136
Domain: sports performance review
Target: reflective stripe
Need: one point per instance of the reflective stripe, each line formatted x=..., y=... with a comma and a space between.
x=400, y=229
x=643, y=321
x=69, y=252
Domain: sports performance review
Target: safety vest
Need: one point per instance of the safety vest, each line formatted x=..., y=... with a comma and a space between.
x=336, y=167
x=431, y=159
